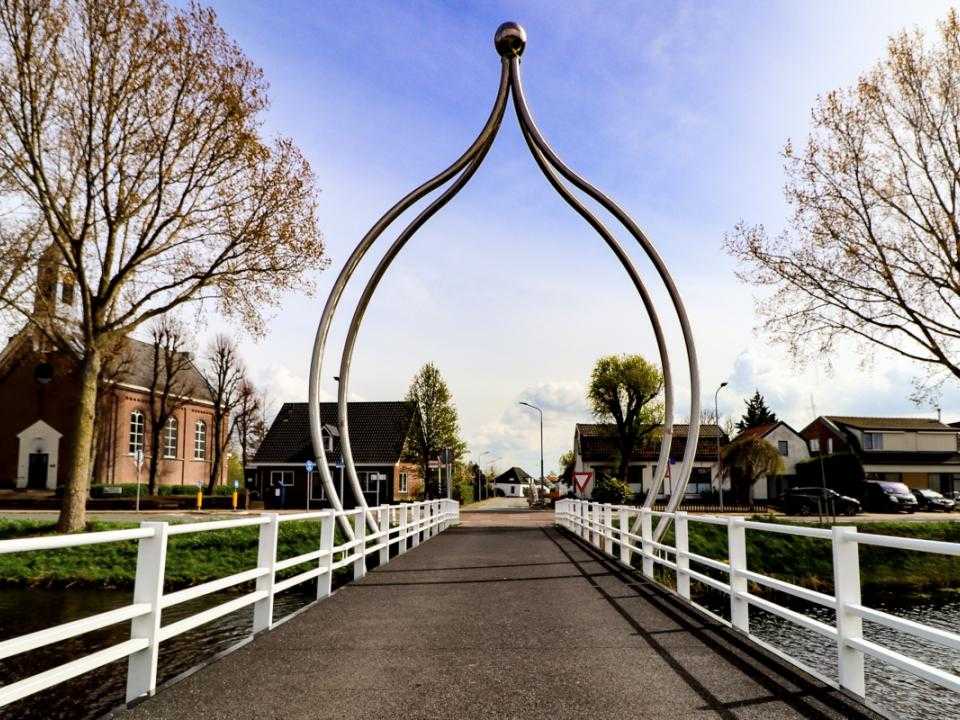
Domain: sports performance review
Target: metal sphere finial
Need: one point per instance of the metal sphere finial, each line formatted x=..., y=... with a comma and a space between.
x=510, y=39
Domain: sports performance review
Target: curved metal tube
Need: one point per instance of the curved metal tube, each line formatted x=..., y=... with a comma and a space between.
x=693, y=431
x=351, y=340
x=329, y=309
x=631, y=269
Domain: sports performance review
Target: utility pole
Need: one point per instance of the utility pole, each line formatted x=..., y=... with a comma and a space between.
x=530, y=405
x=716, y=419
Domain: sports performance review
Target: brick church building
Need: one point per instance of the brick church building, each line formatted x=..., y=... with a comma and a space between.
x=38, y=391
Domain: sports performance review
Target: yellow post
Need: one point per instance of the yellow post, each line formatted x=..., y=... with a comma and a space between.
x=199, y=498
x=234, y=500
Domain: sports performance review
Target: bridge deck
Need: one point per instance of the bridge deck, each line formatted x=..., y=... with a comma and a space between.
x=499, y=618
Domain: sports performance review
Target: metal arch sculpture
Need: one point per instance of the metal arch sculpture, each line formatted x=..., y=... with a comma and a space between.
x=510, y=42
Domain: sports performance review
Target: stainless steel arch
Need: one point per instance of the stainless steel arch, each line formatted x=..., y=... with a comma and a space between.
x=693, y=431
x=510, y=41
x=330, y=308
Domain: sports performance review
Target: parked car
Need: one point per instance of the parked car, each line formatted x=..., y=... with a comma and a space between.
x=932, y=501
x=814, y=500
x=888, y=496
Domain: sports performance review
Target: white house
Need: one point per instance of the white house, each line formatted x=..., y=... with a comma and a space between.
x=512, y=482
x=595, y=451
x=792, y=447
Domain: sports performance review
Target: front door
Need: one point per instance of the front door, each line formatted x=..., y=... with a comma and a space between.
x=37, y=471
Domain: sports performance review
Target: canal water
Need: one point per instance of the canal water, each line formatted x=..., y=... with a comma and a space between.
x=94, y=694
x=889, y=689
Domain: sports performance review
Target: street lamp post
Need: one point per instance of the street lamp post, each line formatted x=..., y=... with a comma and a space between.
x=530, y=405
x=716, y=419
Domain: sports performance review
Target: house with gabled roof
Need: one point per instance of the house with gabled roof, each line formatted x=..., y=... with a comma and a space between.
x=791, y=446
x=378, y=434
x=511, y=483
x=596, y=451
x=920, y=452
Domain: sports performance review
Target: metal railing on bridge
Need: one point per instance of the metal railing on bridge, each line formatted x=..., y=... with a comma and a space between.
x=403, y=525
x=606, y=526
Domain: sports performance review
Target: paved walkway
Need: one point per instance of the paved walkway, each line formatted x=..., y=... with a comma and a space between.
x=497, y=621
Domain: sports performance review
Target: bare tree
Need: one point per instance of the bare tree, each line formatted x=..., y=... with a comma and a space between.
x=248, y=420
x=171, y=386
x=873, y=249
x=130, y=147
x=226, y=376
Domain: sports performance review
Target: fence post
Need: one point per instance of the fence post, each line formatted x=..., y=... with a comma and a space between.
x=360, y=533
x=646, y=535
x=148, y=588
x=846, y=583
x=682, y=544
x=595, y=525
x=328, y=526
x=607, y=530
x=415, y=538
x=266, y=559
x=383, y=520
x=737, y=558
x=402, y=543
x=624, y=522
x=583, y=514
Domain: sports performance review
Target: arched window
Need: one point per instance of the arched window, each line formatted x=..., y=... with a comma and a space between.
x=136, y=432
x=200, y=440
x=170, y=436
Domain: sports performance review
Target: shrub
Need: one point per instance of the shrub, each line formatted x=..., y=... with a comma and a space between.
x=609, y=490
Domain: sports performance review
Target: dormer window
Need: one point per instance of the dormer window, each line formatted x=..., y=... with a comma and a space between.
x=327, y=441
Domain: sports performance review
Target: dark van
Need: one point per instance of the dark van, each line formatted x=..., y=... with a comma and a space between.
x=888, y=496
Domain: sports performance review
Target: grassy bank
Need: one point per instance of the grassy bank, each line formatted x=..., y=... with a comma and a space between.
x=191, y=559
x=808, y=561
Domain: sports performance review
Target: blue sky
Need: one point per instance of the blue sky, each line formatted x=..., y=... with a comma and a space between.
x=677, y=110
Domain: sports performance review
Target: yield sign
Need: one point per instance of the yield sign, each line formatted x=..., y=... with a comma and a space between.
x=581, y=480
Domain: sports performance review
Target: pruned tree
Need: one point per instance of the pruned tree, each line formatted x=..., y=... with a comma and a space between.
x=872, y=251
x=226, y=376
x=131, y=148
x=248, y=421
x=626, y=390
x=756, y=414
x=171, y=386
x=434, y=426
x=747, y=460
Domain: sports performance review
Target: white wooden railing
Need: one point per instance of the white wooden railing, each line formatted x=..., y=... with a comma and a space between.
x=608, y=527
x=403, y=525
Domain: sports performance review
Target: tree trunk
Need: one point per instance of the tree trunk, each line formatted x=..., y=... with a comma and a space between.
x=154, y=460
x=217, y=447
x=73, y=508
x=626, y=450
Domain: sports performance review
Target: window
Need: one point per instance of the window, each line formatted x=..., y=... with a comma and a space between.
x=200, y=440
x=281, y=477
x=327, y=441
x=170, y=438
x=872, y=441
x=783, y=447
x=66, y=293
x=403, y=482
x=137, y=425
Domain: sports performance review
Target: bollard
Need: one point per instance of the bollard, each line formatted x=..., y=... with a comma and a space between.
x=199, y=498
x=233, y=500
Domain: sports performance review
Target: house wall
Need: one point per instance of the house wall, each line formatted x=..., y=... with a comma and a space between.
x=645, y=470
x=184, y=469
x=25, y=401
x=414, y=481
x=796, y=447
x=819, y=430
x=294, y=496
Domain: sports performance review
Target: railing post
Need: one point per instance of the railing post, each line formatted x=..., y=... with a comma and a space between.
x=595, y=525
x=737, y=559
x=682, y=544
x=266, y=559
x=383, y=520
x=607, y=530
x=583, y=514
x=623, y=520
x=402, y=544
x=846, y=583
x=646, y=536
x=360, y=532
x=415, y=538
x=148, y=588
x=328, y=526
